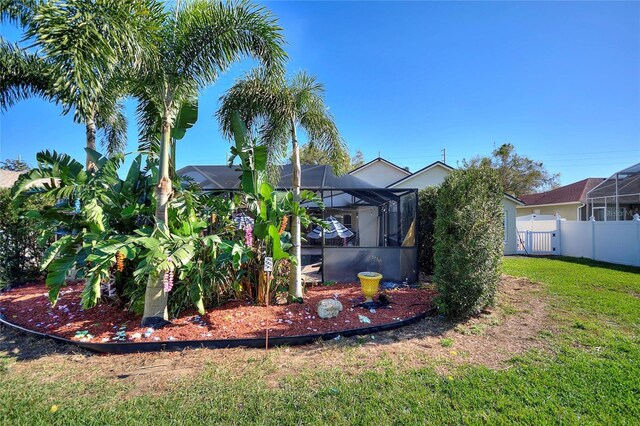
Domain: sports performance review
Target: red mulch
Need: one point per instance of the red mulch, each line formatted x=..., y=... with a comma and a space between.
x=29, y=307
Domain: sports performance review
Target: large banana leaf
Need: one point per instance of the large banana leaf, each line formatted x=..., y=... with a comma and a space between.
x=95, y=215
x=278, y=253
x=57, y=273
x=54, y=171
x=186, y=118
x=97, y=158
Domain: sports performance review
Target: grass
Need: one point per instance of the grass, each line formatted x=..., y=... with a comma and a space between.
x=590, y=375
x=446, y=342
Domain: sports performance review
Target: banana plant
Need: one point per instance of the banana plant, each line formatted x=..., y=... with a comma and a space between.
x=94, y=214
x=100, y=218
x=269, y=207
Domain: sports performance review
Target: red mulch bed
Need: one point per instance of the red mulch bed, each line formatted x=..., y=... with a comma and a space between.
x=29, y=307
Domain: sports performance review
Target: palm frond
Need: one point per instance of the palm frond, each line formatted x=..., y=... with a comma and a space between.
x=149, y=117
x=273, y=109
x=257, y=97
x=17, y=11
x=24, y=75
x=212, y=35
x=323, y=133
x=113, y=129
x=87, y=41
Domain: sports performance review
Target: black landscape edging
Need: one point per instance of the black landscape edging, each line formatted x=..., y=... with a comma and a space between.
x=256, y=342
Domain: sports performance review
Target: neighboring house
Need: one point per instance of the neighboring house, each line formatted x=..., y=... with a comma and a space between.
x=8, y=178
x=380, y=172
x=568, y=201
x=391, y=176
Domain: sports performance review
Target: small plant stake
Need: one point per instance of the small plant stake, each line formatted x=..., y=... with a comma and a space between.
x=268, y=268
x=268, y=264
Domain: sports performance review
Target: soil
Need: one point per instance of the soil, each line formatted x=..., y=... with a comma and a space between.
x=518, y=324
x=29, y=306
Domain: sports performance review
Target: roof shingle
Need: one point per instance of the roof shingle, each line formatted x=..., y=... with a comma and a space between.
x=573, y=193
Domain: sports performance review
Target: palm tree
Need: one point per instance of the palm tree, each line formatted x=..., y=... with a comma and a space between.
x=82, y=48
x=198, y=42
x=276, y=110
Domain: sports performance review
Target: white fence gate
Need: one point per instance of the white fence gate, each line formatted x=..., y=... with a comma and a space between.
x=608, y=241
x=538, y=242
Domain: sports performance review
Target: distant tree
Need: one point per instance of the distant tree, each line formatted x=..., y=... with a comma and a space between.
x=519, y=175
x=14, y=165
x=357, y=160
x=312, y=154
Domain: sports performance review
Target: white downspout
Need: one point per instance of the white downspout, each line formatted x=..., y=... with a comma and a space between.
x=578, y=211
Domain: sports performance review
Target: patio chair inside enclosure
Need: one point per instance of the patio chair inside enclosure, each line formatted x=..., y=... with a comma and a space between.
x=377, y=225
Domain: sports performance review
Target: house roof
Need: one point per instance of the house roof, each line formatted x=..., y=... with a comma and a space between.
x=313, y=177
x=573, y=193
x=8, y=178
x=514, y=199
x=402, y=169
x=422, y=170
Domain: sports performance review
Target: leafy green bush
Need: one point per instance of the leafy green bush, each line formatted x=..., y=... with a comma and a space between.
x=427, y=202
x=104, y=224
x=469, y=241
x=105, y=232
x=20, y=253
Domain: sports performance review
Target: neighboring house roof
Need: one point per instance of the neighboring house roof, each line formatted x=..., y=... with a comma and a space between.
x=426, y=169
x=8, y=178
x=514, y=199
x=380, y=159
x=421, y=171
x=573, y=193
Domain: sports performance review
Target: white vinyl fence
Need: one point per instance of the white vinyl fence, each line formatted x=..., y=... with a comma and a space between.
x=537, y=242
x=615, y=242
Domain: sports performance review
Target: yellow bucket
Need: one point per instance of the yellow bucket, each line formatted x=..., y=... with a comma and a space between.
x=369, y=282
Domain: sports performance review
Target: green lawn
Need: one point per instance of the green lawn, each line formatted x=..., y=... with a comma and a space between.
x=589, y=375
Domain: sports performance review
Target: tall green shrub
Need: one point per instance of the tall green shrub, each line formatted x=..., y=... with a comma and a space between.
x=427, y=202
x=469, y=241
x=20, y=254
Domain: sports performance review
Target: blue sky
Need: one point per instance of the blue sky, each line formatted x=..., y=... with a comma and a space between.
x=559, y=80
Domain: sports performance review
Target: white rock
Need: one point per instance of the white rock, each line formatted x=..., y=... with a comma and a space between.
x=329, y=308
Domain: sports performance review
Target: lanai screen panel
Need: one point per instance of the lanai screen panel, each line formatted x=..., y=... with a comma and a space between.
x=383, y=222
x=618, y=197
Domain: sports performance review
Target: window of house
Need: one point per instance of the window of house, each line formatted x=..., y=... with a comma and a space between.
x=346, y=220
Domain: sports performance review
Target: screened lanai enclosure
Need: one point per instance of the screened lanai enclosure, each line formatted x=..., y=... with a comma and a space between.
x=368, y=228
x=616, y=198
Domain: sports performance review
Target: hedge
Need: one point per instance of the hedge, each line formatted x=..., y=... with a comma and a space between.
x=427, y=201
x=469, y=241
x=20, y=254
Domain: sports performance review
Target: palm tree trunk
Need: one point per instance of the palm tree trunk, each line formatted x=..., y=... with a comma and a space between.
x=90, y=128
x=295, y=283
x=155, y=298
